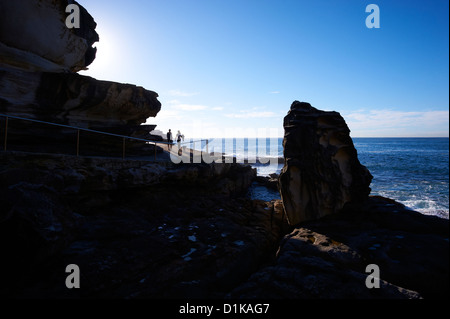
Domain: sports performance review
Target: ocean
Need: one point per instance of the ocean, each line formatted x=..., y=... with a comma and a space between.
x=412, y=171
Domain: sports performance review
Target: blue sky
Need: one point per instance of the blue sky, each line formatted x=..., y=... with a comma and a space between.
x=227, y=68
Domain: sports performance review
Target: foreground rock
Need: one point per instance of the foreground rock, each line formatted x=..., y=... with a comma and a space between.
x=327, y=258
x=139, y=229
x=340, y=231
x=136, y=229
x=322, y=171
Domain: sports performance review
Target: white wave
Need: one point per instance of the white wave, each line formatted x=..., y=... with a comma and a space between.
x=426, y=207
x=266, y=170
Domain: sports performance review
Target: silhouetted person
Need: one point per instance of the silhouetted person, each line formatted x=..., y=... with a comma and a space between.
x=169, y=140
x=179, y=138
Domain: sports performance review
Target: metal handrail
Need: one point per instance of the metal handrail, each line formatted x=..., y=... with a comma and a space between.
x=124, y=137
x=83, y=129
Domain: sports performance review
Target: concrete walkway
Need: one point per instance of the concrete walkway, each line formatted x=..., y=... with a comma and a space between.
x=170, y=152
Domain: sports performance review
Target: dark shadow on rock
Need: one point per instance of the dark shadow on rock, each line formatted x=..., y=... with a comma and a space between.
x=327, y=258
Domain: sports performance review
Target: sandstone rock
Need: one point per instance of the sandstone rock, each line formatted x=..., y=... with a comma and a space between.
x=321, y=171
x=34, y=37
x=327, y=258
x=71, y=175
x=136, y=229
x=38, y=57
x=75, y=100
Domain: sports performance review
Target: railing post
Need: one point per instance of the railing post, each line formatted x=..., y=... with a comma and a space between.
x=207, y=152
x=78, y=142
x=154, y=145
x=6, y=133
x=123, y=149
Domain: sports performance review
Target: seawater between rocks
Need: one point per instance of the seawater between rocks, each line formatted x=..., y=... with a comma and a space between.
x=412, y=171
x=257, y=191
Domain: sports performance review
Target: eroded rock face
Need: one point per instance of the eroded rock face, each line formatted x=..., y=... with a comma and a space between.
x=34, y=36
x=78, y=101
x=39, y=56
x=72, y=99
x=321, y=172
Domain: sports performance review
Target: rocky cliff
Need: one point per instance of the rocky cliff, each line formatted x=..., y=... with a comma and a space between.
x=34, y=37
x=38, y=57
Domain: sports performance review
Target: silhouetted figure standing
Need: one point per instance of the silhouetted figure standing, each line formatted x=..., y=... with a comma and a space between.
x=169, y=139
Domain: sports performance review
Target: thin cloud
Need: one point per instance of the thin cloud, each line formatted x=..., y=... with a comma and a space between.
x=246, y=114
x=398, y=123
x=190, y=107
x=274, y=92
x=176, y=105
x=182, y=93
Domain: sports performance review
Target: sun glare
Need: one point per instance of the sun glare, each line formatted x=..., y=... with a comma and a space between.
x=108, y=53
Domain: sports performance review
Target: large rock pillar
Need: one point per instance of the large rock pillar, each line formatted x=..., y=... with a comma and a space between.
x=321, y=169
